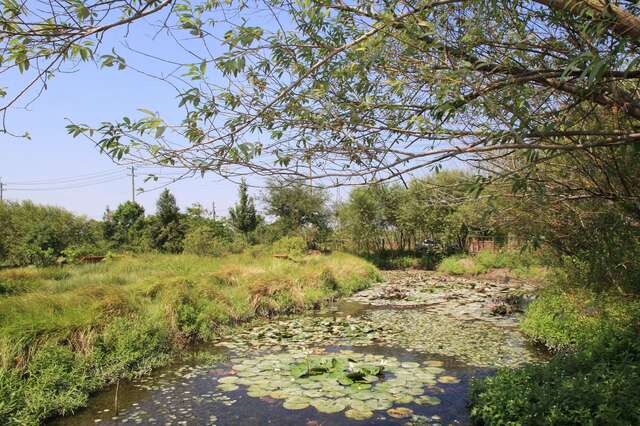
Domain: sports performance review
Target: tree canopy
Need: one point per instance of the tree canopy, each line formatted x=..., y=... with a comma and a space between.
x=354, y=91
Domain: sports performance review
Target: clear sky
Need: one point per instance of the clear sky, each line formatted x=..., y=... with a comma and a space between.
x=91, y=95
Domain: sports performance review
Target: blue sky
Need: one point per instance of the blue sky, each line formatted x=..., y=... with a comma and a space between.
x=91, y=95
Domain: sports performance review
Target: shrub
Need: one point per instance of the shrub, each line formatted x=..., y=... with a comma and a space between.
x=574, y=318
x=595, y=386
x=404, y=260
x=205, y=241
x=294, y=246
x=36, y=235
x=524, y=264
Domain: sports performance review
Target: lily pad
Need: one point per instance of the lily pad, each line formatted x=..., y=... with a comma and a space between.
x=448, y=379
x=228, y=387
x=358, y=414
x=428, y=400
x=400, y=412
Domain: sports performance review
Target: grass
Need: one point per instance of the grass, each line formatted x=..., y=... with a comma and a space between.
x=592, y=379
x=66, y=332
x=521, y=264
x=391, y=260
x=573, y=318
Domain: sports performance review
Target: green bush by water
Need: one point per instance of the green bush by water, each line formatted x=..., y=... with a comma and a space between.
x=391, y=260
x=594, y=386
x=523, y=264
x=593, y=379
x=574, y=318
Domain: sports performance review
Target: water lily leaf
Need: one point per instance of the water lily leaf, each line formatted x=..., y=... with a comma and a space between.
x=295, y=405
x=228, y=387
x=358, y=414
x=428, y=400
x=400, y=412
x=228, y=379
x=448, y=379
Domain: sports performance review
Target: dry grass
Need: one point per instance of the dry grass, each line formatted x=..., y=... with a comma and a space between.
x=123, y=317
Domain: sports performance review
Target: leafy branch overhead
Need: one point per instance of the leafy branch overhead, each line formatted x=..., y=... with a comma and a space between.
x=345, y=92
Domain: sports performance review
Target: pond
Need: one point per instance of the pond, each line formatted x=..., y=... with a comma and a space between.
x=402, y=352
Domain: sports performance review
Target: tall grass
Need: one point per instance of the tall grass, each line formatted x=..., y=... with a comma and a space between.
x=65, y=332
x=521, y=264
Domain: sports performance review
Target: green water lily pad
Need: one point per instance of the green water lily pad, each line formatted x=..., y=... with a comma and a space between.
x=370, y=379
x=448, y=379
x=330, y=407
x=228, y=379
x=279, y=394
x=363, y=395
x=404, y=399
x=414, y=391
x=360, y=386
x=400, y=412
x=428, y=400
x=257, y=391
x=358, y=414
x=228, y=387
x=295, y=404
x=378, y=404
x=313, y=393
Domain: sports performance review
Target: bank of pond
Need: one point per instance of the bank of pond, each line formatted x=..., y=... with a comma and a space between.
x=322, y=338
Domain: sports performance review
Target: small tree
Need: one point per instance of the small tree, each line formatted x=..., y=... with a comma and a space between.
x=167, y=232
x=243, y=215
x=295, y=205
x=126, y=223
x=298, y=210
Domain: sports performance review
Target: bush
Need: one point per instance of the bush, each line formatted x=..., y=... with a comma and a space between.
x=574, y=318
x=524, y=264
x=391, y=260
x=37, y=235
x=205, y=241
x=293, y=246
x=596, y=386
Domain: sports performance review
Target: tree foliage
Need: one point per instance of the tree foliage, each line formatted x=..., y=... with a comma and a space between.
x=124, y=226
x=394, y=217
x=34, y=234
x=296, y=206
x=243, y=215
x=165, y=228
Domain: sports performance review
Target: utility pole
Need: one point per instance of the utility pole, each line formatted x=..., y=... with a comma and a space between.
x=213, y=210
x=310, y=177
x=133, y=184
x=1, y=191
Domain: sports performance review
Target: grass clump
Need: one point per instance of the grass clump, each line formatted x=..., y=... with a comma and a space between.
x=67, y=332
x=522, y=264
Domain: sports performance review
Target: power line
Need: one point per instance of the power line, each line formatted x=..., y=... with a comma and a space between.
x=70, y=179
x=59, y=188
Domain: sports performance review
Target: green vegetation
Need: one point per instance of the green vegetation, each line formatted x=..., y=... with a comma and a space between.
x=522, y=264
x=243, y=216
x=577, y=318
x=36, y=235
x=356, y=383
x=391, y=220
x=65, y=332
x=593, y=378
x=596, y=382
